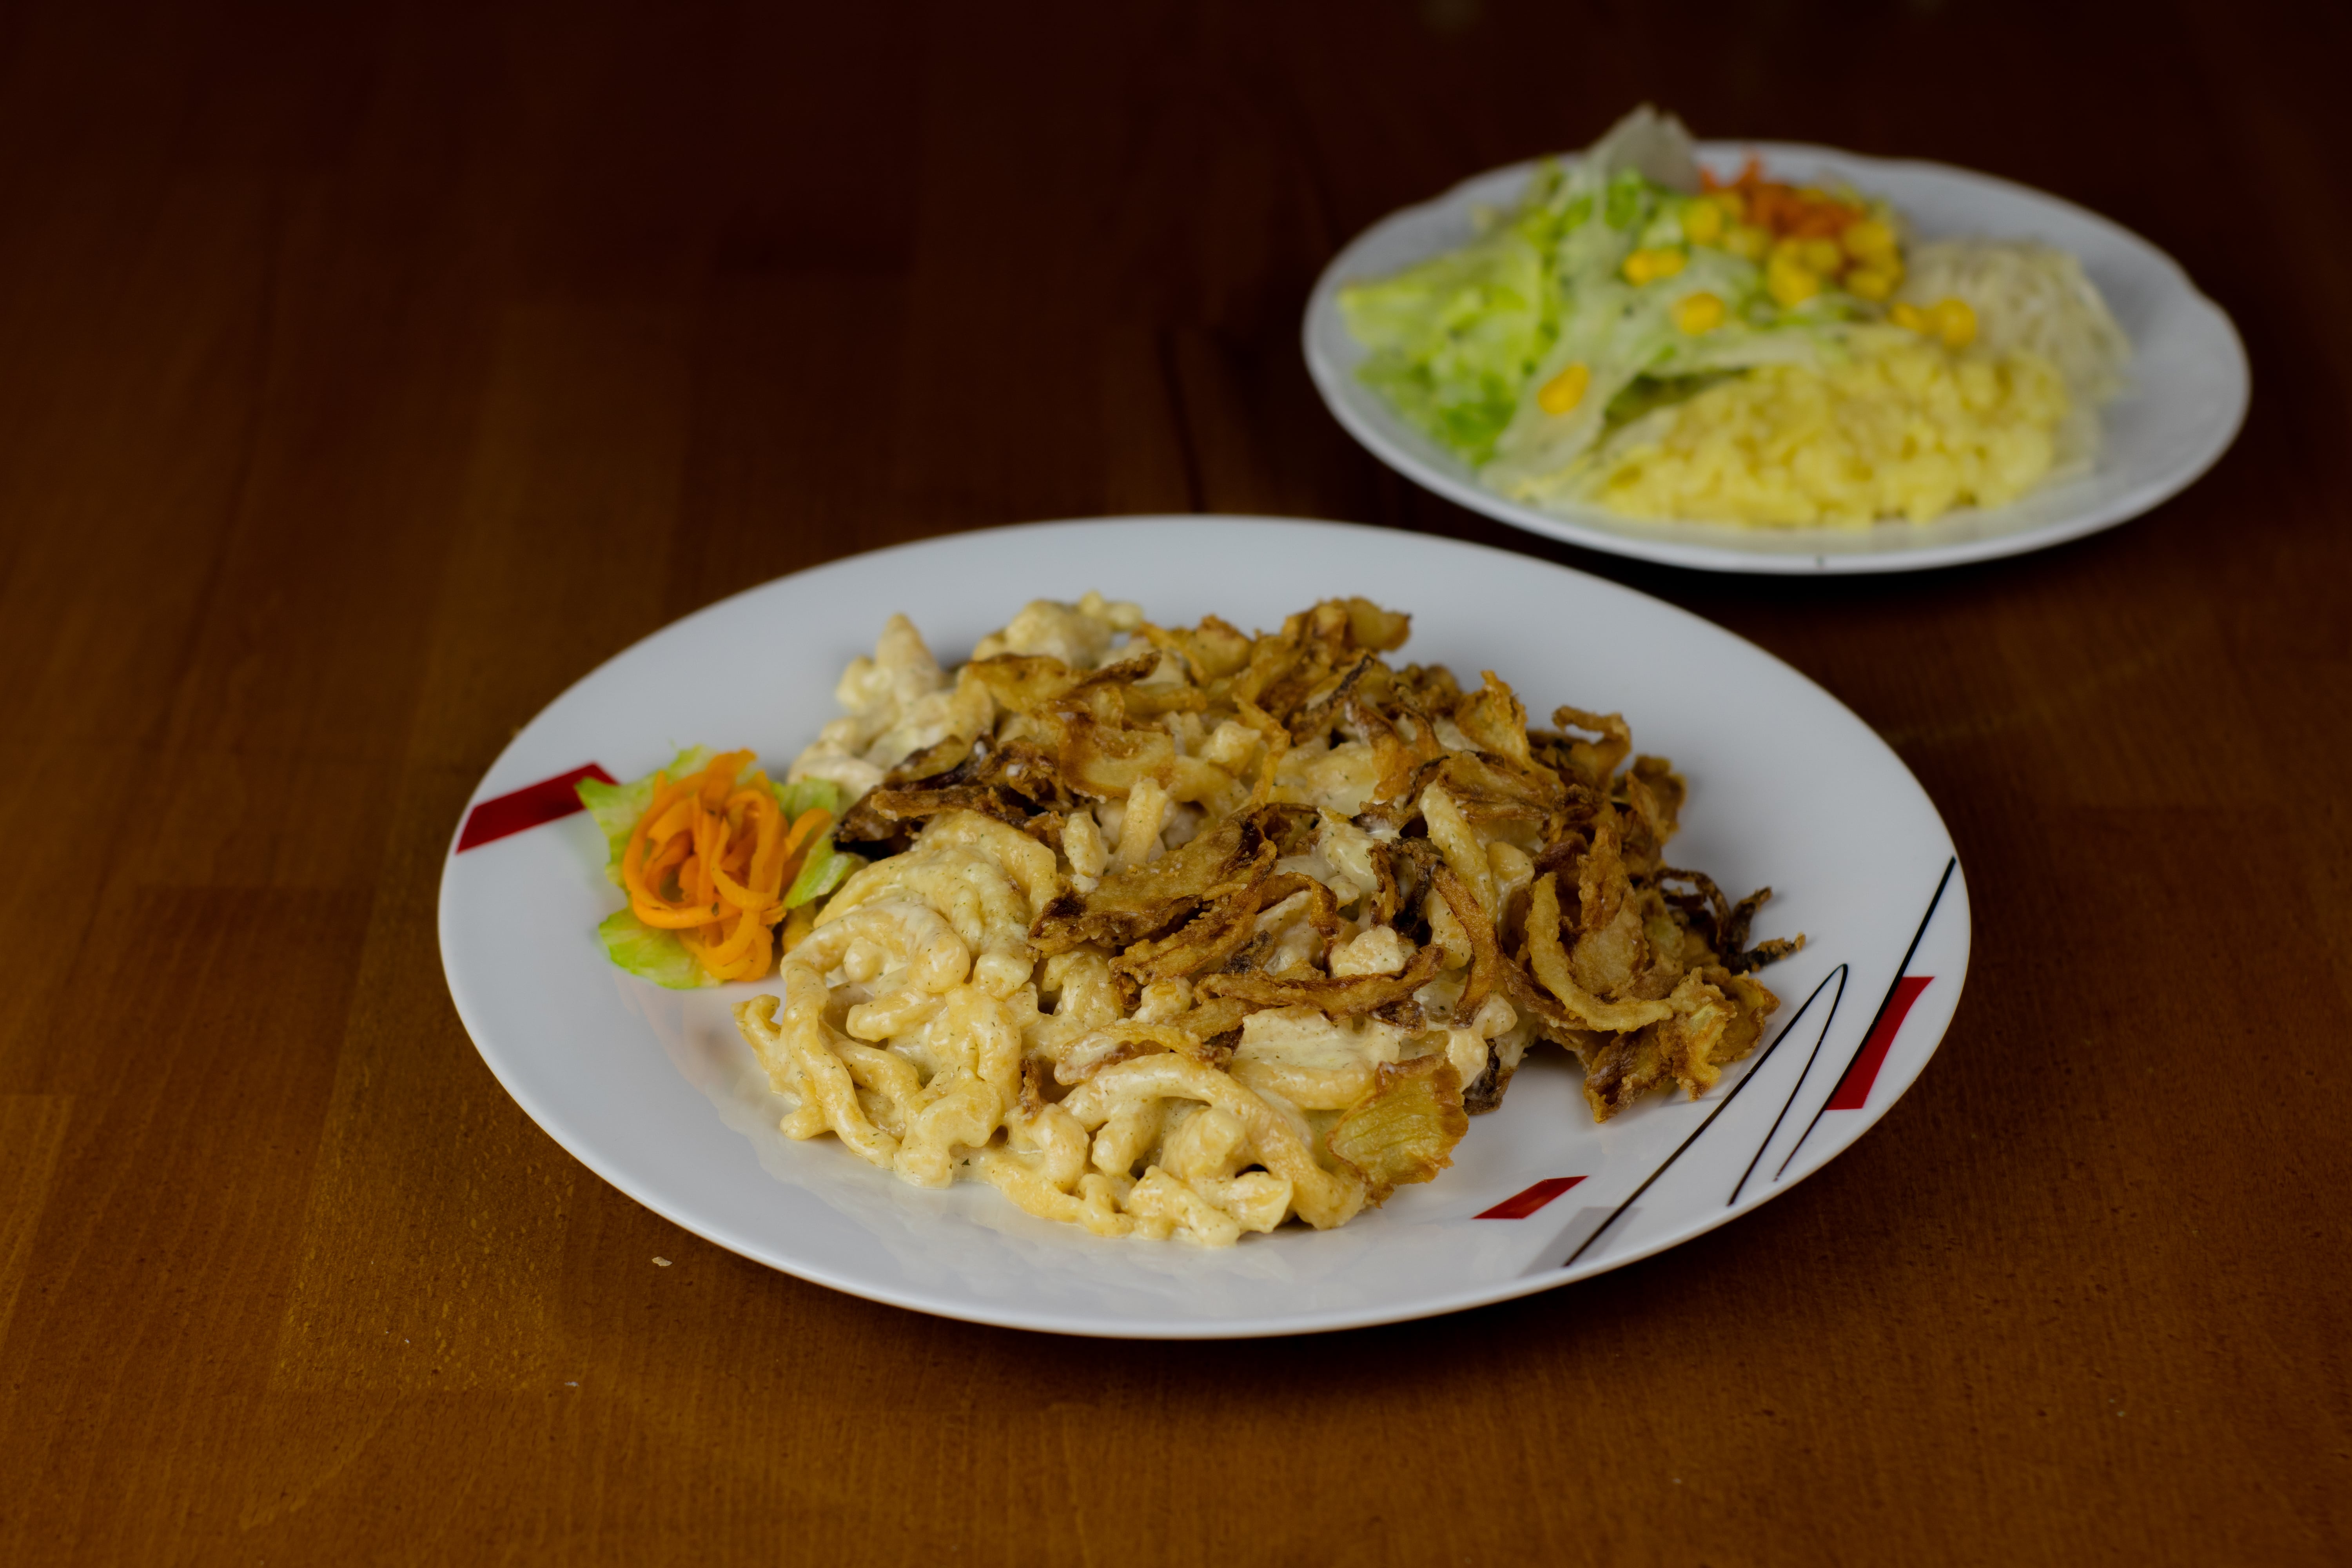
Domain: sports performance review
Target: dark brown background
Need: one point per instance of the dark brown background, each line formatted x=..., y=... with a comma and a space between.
x=366, y=374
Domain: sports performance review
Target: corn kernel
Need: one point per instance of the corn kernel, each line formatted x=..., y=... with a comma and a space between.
x=1699, y=312
x=1703, y=223
x=1734, y=205
x=1871, y=282
x=1824, y=257
x=1954, y=324
x=1748, y=242
x=1650, y=266
x=1563, y=392
x=1871, y=241
x=1791, y=282
x=1909, y=316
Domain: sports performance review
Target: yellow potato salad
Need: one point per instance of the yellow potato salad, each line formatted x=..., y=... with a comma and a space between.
x=1906, y=428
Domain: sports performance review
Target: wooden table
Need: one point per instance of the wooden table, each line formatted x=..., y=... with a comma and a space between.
x=370, y=373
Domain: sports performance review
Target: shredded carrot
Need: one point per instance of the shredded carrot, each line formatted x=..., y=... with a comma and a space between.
x=1784, y=210
x=710, y=860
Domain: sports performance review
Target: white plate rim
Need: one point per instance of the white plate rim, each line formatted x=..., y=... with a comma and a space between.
x=1957, y=938
x=1378, y=431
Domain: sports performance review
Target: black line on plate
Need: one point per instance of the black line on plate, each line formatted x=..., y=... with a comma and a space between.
x=1838, y=975
x=1886, y=1002
x=1745, y=1079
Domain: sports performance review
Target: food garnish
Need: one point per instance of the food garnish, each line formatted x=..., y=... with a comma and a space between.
x=1641, y=335
x=712, y=861
x=1187, y=932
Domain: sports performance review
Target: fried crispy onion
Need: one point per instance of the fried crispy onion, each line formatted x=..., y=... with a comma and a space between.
x=1487, y=957
x=1405, y=1130
x=1141, y=903
x=1553, y=967
x=1339, y=998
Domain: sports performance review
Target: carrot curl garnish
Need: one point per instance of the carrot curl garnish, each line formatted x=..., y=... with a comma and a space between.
x=710, y=859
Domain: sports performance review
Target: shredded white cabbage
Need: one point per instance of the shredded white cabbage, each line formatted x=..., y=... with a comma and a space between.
x=2038, y=299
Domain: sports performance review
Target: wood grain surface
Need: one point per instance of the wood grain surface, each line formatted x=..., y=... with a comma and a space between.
x=367, y=373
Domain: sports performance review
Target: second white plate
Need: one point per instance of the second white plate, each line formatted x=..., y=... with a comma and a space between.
x=2187, y=399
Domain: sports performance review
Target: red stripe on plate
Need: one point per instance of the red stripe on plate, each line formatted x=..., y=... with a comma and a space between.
x=1534, y=1198
x=545, y=801
x=1853, y=1089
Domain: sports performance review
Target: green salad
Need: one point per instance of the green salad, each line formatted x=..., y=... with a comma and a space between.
x=1619, y=284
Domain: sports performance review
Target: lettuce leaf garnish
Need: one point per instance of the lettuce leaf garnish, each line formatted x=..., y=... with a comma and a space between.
x=651, y=954
x=825, y=868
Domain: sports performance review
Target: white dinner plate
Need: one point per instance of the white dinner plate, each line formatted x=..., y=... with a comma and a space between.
x=652, y=1090
x=2187, y=399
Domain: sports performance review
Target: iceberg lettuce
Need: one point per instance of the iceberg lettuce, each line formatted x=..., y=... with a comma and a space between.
x=827, y=867
x=1460, y=345
x=1455, y=339
x=651, y=954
